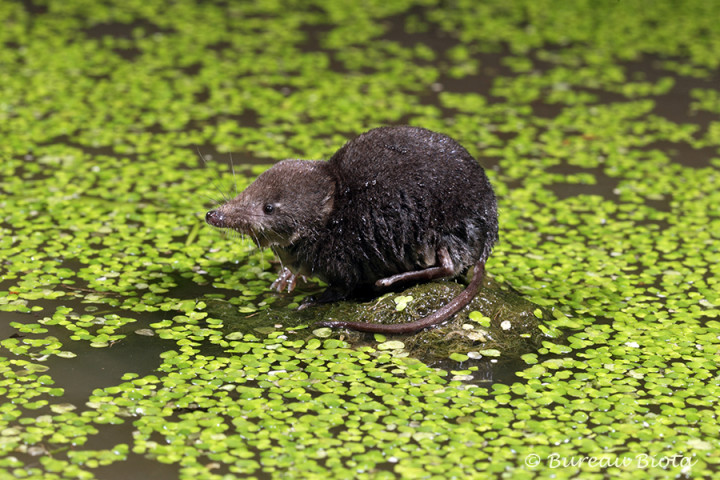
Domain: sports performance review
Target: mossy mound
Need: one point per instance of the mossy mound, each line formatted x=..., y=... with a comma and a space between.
x=497, y=319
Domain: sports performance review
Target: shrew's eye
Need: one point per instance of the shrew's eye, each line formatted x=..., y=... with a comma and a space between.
x=268, y=208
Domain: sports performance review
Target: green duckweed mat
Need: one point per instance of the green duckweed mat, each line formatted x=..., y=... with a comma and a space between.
x=599, y=125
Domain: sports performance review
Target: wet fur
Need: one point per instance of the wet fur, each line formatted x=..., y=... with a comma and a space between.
x=384, y=204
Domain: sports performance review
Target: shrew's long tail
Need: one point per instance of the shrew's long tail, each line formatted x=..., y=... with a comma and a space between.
x=439, y=316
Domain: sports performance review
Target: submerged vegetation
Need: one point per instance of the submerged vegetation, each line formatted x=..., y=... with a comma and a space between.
x=126, y=334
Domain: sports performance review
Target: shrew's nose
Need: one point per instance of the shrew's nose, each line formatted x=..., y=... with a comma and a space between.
x=214, y=218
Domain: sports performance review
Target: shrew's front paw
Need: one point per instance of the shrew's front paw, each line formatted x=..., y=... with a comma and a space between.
x=286, y=281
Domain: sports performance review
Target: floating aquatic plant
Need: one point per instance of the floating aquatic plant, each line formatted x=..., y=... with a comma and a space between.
x=134, y=333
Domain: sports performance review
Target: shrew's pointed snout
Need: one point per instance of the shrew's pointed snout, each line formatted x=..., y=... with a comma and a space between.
x=214, y=218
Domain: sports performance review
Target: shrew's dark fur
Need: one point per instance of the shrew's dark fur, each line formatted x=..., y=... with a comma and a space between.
x=395, y=204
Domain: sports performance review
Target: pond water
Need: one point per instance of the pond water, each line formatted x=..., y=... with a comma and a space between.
x=136, y=340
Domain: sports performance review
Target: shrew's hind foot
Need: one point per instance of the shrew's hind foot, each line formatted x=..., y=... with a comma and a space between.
x=445, y=269
x=436, y=318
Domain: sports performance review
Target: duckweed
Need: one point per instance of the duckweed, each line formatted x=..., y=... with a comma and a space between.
x=133, y=335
